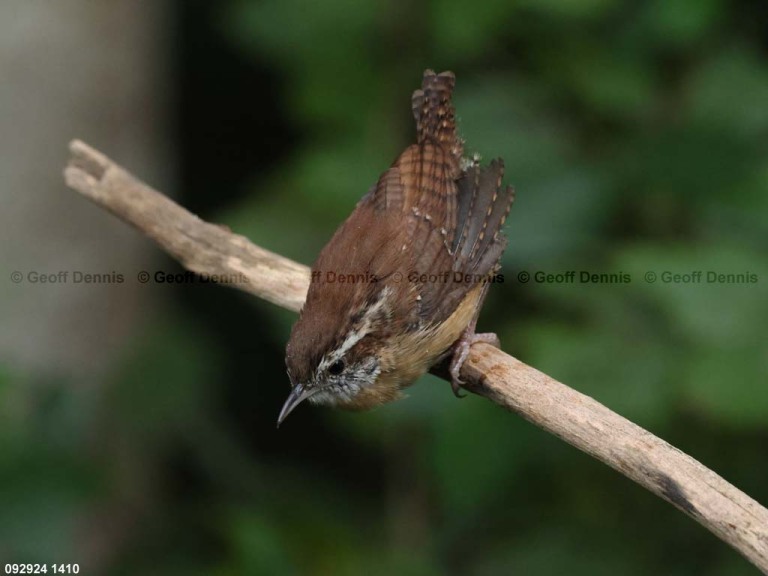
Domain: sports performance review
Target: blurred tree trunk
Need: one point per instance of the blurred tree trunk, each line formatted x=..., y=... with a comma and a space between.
x=95, y=70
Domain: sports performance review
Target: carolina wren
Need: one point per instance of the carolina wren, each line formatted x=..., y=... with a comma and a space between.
x=399, y=286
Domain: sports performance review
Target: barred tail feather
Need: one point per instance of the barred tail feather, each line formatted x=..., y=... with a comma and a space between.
x=483, y=208
x=434, y=113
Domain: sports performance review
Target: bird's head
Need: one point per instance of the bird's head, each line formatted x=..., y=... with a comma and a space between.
x=335, y=355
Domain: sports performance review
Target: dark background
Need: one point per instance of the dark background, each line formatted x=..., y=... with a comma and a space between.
x=635, y=135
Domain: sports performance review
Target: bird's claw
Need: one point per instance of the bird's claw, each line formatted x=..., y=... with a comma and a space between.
x=460, y=353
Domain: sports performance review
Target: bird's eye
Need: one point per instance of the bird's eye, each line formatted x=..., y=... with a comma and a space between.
x=336, y=368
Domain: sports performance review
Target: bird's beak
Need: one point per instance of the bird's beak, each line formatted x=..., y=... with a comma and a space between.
x=299, y=393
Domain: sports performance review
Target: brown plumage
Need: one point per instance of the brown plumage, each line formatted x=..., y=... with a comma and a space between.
x=357, y=344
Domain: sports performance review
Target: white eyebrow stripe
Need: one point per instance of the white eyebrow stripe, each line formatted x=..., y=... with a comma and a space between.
x=355, y=336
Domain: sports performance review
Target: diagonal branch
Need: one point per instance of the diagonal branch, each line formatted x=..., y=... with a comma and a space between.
x=584, y=423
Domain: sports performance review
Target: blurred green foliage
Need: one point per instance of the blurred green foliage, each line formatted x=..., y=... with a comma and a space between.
x=636, y=135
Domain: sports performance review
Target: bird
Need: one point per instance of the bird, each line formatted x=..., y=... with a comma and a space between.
x=398, y=288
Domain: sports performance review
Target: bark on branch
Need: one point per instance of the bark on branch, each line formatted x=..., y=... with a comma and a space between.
x=581, y=421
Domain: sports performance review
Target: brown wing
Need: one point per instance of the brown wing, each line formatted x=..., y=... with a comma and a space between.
x=467, y=208
x=451, y=219
x=472, y=249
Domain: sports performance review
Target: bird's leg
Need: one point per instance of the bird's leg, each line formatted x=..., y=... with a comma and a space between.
x=460, y=349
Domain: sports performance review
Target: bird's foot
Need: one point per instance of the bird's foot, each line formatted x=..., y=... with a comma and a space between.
x=460, y=353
